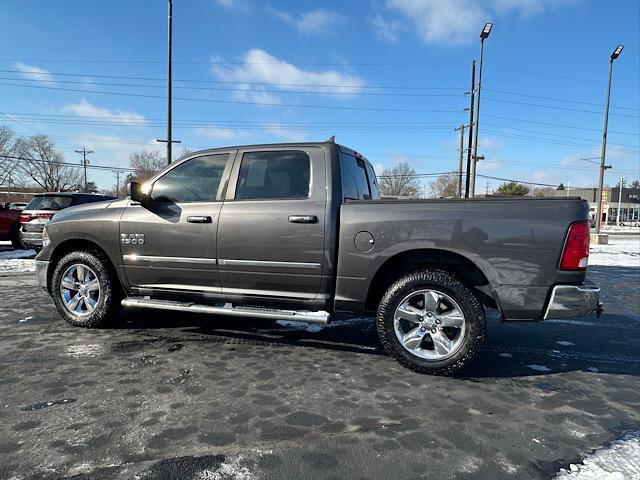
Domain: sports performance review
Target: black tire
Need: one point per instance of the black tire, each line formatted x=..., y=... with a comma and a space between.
x=474, y=317
x=108, y=298
x=15, y=239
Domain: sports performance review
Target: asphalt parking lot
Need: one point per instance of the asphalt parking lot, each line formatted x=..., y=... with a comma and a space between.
x=165, y=396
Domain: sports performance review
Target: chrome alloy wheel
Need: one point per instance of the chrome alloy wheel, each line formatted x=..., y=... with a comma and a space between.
x=429, y=324
x=80, y=290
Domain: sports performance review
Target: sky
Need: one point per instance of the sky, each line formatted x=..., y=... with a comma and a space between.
x=388, y=78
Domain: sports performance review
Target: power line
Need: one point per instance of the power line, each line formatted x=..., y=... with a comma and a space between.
x=306, y=63
x=557, y=125
x=65, y=164
x=237, y=102
x=241, y=89
x=332, y=92
x=555, y=99
x=554, y=107
x=234, y=82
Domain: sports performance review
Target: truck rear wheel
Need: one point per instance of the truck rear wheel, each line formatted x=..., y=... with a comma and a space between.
x=82, y=288
x=431, y=322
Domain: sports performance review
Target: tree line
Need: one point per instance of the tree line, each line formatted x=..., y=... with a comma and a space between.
x=401, y=180
x=34, y=162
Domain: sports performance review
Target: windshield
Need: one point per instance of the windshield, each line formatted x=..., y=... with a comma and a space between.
x=49, y=202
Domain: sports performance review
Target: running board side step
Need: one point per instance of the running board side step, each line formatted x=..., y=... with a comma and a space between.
x=227, y=309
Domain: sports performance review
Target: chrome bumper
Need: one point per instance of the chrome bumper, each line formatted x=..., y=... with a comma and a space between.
x=31, y=238
x=41, y=273
x=569, y=301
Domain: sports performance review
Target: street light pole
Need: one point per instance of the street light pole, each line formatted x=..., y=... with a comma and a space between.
x=170, y=35
x=614, y=55
x=461, y=128
x=483, y=35
x=470, y=141
x=619, y=201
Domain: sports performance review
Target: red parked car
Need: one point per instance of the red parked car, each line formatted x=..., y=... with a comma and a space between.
x=10, y=225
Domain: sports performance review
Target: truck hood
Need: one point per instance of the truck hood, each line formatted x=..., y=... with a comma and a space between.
x=84, y=210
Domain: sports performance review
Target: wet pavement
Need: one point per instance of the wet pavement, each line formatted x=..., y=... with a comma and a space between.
x=166, y=396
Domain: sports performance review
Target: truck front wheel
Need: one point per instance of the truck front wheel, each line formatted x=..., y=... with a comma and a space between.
x=82, y=289
x=431, y=322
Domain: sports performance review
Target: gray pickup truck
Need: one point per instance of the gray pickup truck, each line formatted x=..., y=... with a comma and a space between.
x=299, y=232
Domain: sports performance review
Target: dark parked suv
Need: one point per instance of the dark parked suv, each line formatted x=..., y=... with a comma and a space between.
x=299, y=232
x=43, y=206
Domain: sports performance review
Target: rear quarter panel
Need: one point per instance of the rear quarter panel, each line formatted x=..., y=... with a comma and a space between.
x=515, y=242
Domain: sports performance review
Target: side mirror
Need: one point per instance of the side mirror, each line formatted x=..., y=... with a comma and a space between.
x=134, y=190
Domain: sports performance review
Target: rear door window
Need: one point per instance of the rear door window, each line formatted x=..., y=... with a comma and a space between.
x=274, y=175
x=355, y=185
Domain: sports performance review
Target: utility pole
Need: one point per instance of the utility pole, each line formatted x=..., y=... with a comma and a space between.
x=168, y=140
x=471, y=94
x=118, y=172
x=614, y=55
x=85, y=162
x=486, y=188
x=483, y=35
x=461, y=128
x=619, y=201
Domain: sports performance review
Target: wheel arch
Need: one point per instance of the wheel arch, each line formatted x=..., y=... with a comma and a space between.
x=78, y=244
x=479, y=279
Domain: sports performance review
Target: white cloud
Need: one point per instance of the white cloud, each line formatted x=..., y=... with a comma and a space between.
x=311, y=22
x=527, y=7
x=217, y=133
x=261, y=70
x=450, y=21
x=456, y=21
x=285, y=133
x=115, y=149
x=232, y=4
x=87, y=109
x=489, y=142
x=385, y=28
x=33, y=73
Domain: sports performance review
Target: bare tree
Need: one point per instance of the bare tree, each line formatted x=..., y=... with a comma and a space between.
x=445, y=186
x=399, y=181
x=7, y=165
x=146, y=164
x=40, y=164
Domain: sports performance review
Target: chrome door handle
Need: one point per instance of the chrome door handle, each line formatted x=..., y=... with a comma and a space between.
x=199, y=219
x=303, y=219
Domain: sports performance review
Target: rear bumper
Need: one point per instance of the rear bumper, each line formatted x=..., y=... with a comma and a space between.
x=31, y=238
x=41, y=273
x=570, y=301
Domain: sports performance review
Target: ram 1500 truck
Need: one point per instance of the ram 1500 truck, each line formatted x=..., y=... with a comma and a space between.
x=299, y=232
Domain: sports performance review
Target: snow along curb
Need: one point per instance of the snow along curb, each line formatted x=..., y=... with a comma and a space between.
x=618, y=461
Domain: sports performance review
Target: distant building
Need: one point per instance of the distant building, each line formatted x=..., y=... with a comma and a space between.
x=629, y=207
x=17, y=194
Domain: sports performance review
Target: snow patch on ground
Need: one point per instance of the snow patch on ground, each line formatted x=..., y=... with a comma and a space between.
x=317, y=327
x=230, y=470
x=622, y=230
x=17, y=260
x=619, y=252
x=88, y=350
x=619, y=461
x=539, y=368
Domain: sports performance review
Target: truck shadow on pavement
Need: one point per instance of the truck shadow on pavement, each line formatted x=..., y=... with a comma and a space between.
x=606, y=345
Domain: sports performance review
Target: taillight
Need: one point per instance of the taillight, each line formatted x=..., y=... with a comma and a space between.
x=575, y=255
x=25, y=218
